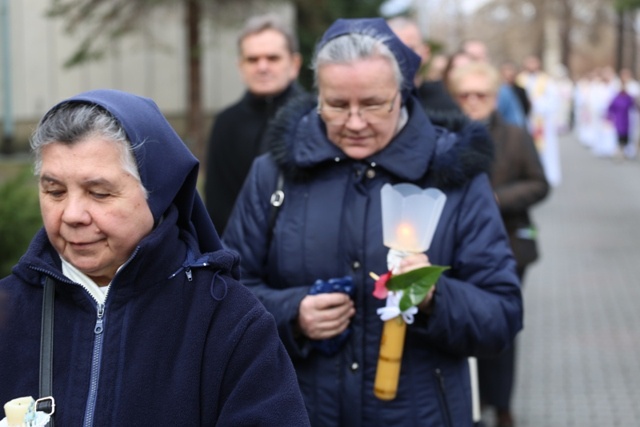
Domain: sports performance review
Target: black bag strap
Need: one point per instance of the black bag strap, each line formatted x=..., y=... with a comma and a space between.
x=46, y=402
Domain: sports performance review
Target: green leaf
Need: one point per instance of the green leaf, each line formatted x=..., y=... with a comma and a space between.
x=415, y=284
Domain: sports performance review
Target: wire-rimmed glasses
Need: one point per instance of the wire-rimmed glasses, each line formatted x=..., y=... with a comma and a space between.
x=338, y=115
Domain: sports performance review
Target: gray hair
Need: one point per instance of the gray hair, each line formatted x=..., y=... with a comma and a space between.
x=352, y=47
x=71, y=123
x=269, y=21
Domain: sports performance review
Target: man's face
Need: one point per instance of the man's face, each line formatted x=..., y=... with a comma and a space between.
x=266, y=65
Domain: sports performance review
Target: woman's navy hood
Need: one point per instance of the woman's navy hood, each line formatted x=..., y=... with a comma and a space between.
x=408, y=60
x=168, y=170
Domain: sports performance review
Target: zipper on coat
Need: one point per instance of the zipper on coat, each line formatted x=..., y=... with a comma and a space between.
x=443, y=398
x=95, y=367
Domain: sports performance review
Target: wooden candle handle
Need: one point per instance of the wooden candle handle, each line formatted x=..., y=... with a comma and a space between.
x=390, y=358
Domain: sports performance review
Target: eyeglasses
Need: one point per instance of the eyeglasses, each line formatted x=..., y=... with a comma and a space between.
x=372, y=113
x=480, y=96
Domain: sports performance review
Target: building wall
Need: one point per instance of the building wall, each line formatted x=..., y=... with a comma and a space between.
x=151, y=62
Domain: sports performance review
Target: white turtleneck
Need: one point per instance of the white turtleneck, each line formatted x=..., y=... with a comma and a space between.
x=99, y=293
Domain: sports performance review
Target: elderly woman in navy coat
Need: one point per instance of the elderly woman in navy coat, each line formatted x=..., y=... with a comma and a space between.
x=366, y=129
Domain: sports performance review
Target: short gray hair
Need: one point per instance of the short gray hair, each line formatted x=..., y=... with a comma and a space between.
x=352, y=47
x=269, y=21
x=73, y=122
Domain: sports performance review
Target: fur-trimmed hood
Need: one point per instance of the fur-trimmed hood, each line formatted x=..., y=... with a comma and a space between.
x=423, y=150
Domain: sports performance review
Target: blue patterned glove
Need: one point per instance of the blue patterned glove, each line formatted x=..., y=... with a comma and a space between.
x=331, y=346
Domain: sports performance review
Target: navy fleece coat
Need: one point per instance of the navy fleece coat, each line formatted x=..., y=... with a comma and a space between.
x=330, y=226
x=182, y=343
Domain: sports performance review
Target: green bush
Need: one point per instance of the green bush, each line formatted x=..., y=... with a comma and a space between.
x=19, y=217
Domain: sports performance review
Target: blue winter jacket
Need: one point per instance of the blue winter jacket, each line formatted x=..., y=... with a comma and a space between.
x=330, y=226
x=178, y=341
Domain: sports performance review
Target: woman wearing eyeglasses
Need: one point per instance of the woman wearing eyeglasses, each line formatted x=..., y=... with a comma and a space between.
x=310, y=266
x=518, y=180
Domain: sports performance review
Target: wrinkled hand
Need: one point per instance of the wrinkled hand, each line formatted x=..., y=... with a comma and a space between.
x=324, y=316
x=412, y=262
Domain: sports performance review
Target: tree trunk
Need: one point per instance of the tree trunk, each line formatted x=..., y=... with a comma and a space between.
x=566, y=19
x=538, y=30
x=634, y=45
x=620, y=42
x=195, y=138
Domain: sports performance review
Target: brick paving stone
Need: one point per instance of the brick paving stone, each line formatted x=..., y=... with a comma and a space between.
x=578, y=356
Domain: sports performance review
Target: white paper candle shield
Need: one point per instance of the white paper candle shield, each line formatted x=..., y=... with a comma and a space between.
x=410, y=215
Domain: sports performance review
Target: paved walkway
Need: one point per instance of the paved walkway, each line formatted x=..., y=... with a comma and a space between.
x=579, y=354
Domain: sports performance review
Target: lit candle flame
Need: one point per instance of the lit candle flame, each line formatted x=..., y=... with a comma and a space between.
x=406, y=236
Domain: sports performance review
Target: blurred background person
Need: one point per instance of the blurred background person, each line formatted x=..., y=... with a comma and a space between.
x=476, y=49
x=592, y=98
x=269, y=63
x=432, y=93
x=619, y=113
x=456, y=60
x=437, y=64
x=542, y=120
x=509, y=72
x=564, y=89
x=633, y=88
x=366, y=129
x=582, y=114
x=518, y=182
x=508, y=103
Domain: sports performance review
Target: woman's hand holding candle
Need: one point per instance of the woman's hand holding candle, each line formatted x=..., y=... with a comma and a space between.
x=394, y=330
x=415, y=279
x=412, y=262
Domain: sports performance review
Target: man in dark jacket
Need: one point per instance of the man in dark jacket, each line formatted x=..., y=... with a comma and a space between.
x=269, y=63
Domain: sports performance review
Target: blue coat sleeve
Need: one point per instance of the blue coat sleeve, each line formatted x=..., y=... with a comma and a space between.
x=477, y=307
x=248, y=233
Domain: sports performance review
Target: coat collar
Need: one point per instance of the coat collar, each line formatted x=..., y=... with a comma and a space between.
x=450, y=156
x=267, y=103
